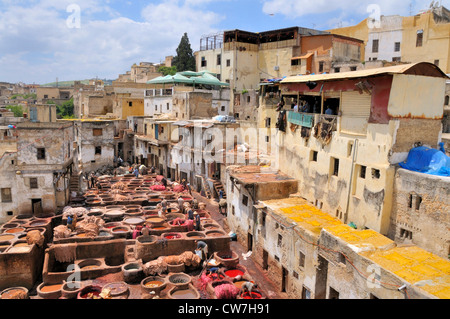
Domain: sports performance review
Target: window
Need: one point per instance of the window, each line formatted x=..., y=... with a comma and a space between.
x=447, y=100
x=419, y=40
x=396, y=59
x=375, y=44
x=228, y=63
x=41, y=153
x=9, y=213
x=337, y=70
x=362, y=172
x=45, y=96
x=219, y=59
x=418, y=202
x=376, y=173
x=301, y=260
x=321, y=66
x=405, y=234
x=306, y=293
x=333, y=294
x=98, y=150
x=6, y=195
x=397, y=47
x=97, y=132
x=33, y=183
x=130, y=104
x=263, y=219
x=168, y=106
x=295, y=62
x=353, y=68
x=349, y=149
x=280, y=240
x=268, y=122
x=314, y=155
x=204, y=63
x=244, y=200
x=341, y=258
x=335, y=166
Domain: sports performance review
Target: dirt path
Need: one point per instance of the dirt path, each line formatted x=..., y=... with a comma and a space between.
x=258, y=274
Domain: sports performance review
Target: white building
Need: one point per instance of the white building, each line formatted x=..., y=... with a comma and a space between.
x=385, y=41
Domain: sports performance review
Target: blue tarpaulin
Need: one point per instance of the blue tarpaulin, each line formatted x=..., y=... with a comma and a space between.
x=428, y=161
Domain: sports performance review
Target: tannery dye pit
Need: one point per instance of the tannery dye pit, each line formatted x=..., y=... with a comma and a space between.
x=148, y=252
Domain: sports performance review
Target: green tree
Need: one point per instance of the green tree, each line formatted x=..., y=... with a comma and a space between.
x=184, y=60
x=16, y=109
x=165, y=70
x=65, y=110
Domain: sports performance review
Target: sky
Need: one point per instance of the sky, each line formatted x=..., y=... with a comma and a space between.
x=42, y=40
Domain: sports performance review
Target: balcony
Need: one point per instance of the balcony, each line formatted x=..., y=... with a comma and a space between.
x=311, y=119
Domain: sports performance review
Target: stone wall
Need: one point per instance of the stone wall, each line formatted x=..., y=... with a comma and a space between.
x=421, y=211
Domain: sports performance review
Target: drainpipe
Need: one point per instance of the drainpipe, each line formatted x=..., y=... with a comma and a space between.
x=355, y=147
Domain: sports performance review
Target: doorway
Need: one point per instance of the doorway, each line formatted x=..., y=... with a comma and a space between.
x=36, y=207
x=249, y=242
x=284, y=279
x=321, y=278
x=265, y=256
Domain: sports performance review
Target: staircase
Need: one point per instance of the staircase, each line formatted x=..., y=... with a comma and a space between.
x=218, y=186
x=74, y=184
x=205, y=186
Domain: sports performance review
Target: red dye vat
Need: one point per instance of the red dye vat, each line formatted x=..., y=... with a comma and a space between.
x=172, y=236
x=254, y=295
x=215, y=277
x=234, y=273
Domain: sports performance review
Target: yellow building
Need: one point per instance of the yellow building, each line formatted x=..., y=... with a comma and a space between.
x=130, y=106
x=423, y=37
x=427, y=38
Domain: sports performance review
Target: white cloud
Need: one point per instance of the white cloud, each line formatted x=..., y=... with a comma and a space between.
x=37, y=46
x=300, y=8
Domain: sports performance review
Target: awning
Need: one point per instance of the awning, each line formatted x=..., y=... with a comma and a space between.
x=306, y=56
x=421, y=68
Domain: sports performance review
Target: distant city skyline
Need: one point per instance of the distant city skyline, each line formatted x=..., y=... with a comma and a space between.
x=41, y=40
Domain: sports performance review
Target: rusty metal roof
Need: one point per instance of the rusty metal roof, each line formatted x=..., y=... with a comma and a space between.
x=421, y=68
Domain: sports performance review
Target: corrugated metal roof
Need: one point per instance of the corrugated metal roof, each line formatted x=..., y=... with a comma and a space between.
x=422, y=68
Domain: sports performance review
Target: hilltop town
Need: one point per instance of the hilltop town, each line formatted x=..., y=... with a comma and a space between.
x=321, y=158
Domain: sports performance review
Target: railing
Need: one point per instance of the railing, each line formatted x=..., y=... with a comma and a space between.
x=301, y=119
x=310, y=119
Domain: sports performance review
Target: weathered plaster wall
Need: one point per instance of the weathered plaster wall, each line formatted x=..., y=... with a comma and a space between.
x=88, y=142
x=421, y=206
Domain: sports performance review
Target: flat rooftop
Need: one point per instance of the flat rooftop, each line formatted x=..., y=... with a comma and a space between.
x=419, y=267
x=412, y=264
x=258, y=174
